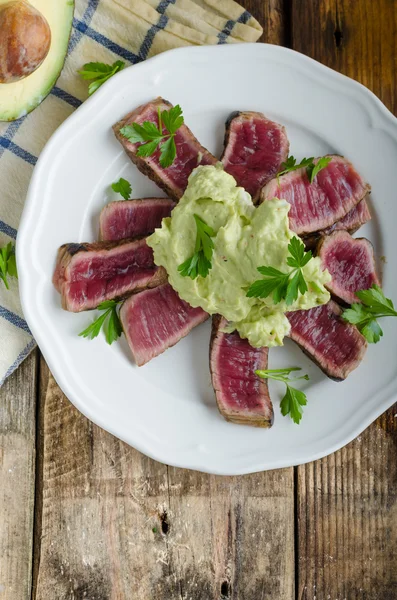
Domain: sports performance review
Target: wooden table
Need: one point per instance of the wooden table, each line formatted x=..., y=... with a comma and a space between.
x=85, y=517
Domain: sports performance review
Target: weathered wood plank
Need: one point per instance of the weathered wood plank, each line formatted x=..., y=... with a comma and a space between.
x=17, y=477
x=347, y=503
x=234, y=535
x=271, y=14
x=113, y=521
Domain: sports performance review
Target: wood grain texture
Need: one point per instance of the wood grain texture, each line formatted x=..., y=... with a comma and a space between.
x=17, y=476
x=347, y=503
x=356, y=37
x=113, y=520
x=273, y=17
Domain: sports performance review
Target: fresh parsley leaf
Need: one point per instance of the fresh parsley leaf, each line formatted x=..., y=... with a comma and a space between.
x=92, y=331
x=292, y=289
x=372, y=331
x=152, y=136
x=290, y=165
x=376, y=302
x=109, y=320
x=311, y=168
x=189, y=267
x=299, y=258
x=292, y=404
x=147, y=149
x=356, y=314
x=99, y=73
x=168, y=152
x=8, y=266
x=293, y=400
x=200, y=262
x=122, y=187
x=374, y=305
x=172, y=118
x=114, y=328
x=283, y=286
x=133, y=134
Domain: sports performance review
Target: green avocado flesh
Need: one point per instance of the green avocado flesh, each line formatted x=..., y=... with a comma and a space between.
x=21, y=97
x=246, y=238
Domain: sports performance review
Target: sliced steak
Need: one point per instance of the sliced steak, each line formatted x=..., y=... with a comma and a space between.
x=133, y=218
x=255, y=148
x=88, y=274
x=242, y=397
x=335, y=191
x=355, y=218
x=351, y=263
x=189, y=152
x=155, y=320
x=336, y=346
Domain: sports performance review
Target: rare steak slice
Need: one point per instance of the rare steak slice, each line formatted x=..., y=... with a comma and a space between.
x=189, y=152
x=242, y=397
x=133, y=218
x=88, y=274
x=255, y=148
x=351, y=263
x=335, y=191
x=155, y=320
x=355, y=218
x=336, y=346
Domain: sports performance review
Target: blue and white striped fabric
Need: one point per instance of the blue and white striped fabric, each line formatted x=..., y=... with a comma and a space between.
x=105, y=31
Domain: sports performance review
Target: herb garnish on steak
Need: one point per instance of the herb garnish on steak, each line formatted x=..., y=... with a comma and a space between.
x=336, y=190
x=374, y=305
x=189, y=152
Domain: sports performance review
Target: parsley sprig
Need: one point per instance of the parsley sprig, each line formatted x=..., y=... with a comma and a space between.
x=374, y=305
x=99, y=73
x=122, y=187
x=109, y=320
x=8, y=266
x=200, y=262
x=293, y=400
x=283, y=286
x=311, y=168
x=152, y=136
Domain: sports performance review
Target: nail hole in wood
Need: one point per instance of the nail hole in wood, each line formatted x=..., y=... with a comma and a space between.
x=165, y=526
x=225, y=590
x=338, y=35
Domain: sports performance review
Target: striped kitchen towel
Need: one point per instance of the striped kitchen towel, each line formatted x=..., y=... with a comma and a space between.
x=105, y=31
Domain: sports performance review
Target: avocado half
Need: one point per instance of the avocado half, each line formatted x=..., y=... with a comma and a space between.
x=21, y=97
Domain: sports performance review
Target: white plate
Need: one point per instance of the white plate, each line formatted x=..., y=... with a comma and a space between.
x=167, y=408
